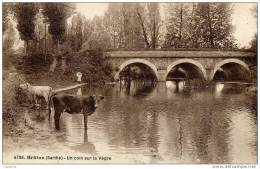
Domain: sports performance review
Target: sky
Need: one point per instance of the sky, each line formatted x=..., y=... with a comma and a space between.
x=244, y=22
x=242, y=18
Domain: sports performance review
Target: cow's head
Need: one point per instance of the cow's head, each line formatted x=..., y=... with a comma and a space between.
x=24, y=86
x=92, y=104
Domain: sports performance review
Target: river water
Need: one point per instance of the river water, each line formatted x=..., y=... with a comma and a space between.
x=167, y=124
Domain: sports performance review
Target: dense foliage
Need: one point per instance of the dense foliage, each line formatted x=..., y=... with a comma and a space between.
x=93, y=65
x=199, y=25
x=25, y=15
x=57, y=14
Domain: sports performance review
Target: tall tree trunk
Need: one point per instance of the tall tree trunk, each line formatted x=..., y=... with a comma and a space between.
x=154, y=38
x=180, y=29
x=55, y=61
x=63, y=63
x=125, y=30
x=210, y=27
x=45, y=53
x=26, y=47
x=154, y=34
x=194, y=26
x=143, y=28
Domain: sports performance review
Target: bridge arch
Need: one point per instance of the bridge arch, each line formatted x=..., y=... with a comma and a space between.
x=223, y=62
x=131, y=61
x=191, y=61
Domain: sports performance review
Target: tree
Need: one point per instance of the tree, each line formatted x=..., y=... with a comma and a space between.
x=148, y=16
x=122, y=22
x=25, y=15
x=79, y=34
x=87, y=29
x=131, y=28
x=5, y=13
x=204, y=25
x=175, y=21
x=153, y=23
x=179, y=25
x=214, y=25
x=99, y=38
x=9, y=38
x=140, y=13
x=8, y=43
x=39, y=32
x=76, y=32
x=113, y=21
x=57, y=14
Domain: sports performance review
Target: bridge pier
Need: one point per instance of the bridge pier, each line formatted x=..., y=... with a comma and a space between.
x=162, y=75
x=210, y=74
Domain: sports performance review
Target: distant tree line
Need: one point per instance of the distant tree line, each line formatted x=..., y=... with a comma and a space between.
x=57, y=27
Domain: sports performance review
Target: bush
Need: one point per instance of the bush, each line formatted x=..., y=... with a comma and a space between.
x=35, y=63
x=11, y=97
x=95, y=68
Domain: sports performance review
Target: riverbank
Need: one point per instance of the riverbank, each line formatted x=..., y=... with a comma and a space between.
x=20, y=122
x=25, y=127
x=34, y=69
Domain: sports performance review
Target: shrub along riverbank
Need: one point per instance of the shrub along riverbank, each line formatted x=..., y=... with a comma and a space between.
x=34, y=69
x=92, y=64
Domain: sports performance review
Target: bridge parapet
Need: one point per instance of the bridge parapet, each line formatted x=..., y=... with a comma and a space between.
x=180, y=54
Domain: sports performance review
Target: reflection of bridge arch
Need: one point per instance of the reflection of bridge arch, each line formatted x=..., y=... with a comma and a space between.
x=143, y=61
x=191, y=61
x=223, y=62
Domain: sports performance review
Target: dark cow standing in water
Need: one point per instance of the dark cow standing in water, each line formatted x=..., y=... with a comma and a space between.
x=74, y=104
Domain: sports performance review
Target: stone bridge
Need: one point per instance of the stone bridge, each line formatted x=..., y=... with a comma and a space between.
x=163, y=61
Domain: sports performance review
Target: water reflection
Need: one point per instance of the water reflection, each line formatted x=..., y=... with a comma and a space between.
x=76, y=137
x=137, y=87
x=79, y=92
x=177, y=86
x=160, y=124
x=219, y=88
x=242, y=131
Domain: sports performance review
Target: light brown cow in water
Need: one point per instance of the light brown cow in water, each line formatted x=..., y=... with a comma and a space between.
x=37, y=91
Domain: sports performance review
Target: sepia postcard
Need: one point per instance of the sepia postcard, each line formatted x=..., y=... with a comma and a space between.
x=129, y=83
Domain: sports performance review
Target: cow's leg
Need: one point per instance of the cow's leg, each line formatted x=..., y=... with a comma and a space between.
x=85, y=114
x=57, y=119
x=47, y=101
x=57, y=113
x=33, y=101
x=49, y=107
x=49, y=115
x=49, y=112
